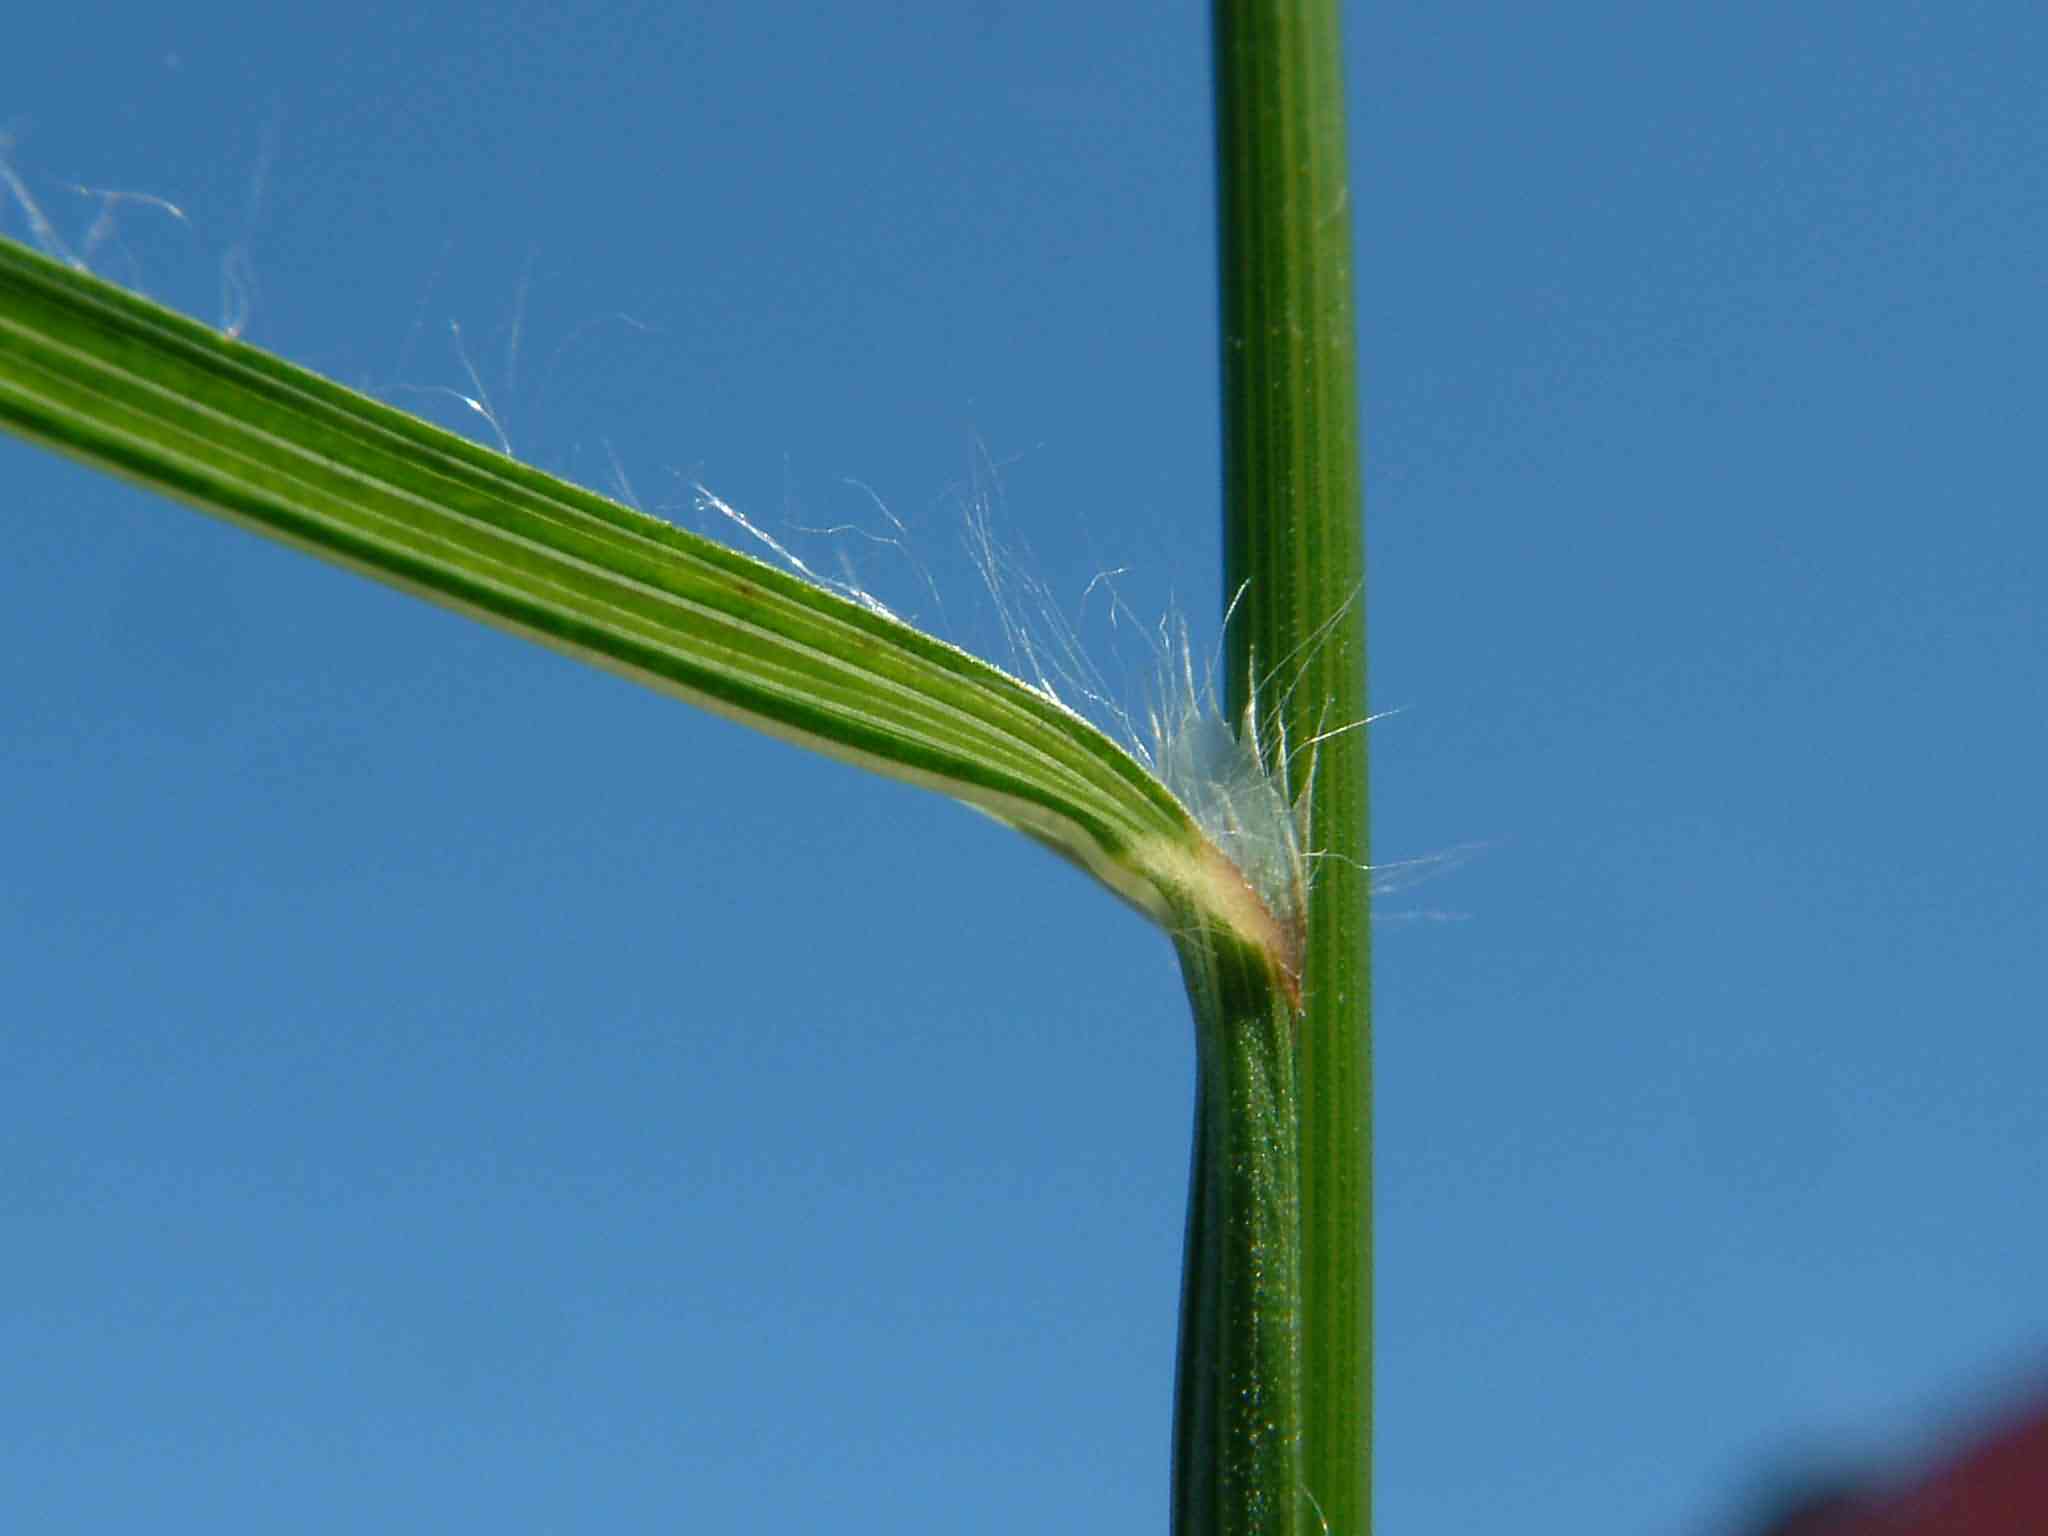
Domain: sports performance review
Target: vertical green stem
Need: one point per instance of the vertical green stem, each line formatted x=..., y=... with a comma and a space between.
x=1294, y=547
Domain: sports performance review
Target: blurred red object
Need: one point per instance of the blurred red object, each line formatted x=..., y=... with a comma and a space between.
x=1997, y=1487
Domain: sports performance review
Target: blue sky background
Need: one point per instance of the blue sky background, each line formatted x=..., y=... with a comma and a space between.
x=442, y=1087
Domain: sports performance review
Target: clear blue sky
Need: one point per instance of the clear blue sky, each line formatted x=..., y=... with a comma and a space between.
x=445, y=1088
